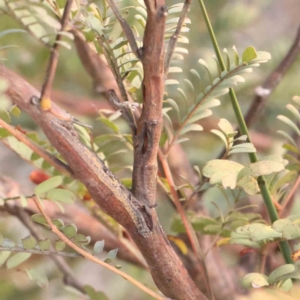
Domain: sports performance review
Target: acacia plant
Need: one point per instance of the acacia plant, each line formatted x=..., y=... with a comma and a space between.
x=134, y=66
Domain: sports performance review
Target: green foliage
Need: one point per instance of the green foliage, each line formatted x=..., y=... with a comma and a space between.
x=94, y=295
x=227, y=135
x=280, y=276
x=257, y=235
x=293, y=125
x=222, y=226
x=231, y=174
x=208, y=96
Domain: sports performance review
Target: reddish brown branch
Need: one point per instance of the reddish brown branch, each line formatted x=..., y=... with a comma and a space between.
x=174, y=37
x=146, y=141
x=263, y=92
x=95, y=66
x=58, y=164
x=91, y=257
x=50, y=73
x=126, y=29
x=166, y=268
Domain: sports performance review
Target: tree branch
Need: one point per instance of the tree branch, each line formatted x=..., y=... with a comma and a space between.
x=166, y=268
x=23, y=216
x=174, y=37
x=54, y=161
x=146, y=141
x=126, y=29
x=91, y=257
x=263, y=92
x=45, y=97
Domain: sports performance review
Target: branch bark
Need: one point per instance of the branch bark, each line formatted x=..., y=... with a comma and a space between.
x=166, y=268
x=146, y=141
x=263, y=92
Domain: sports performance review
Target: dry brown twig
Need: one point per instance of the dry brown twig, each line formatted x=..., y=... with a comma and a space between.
x=9, y=188
x=45, y=98
x=263, y=92
x=93, y=258
x=174, y=37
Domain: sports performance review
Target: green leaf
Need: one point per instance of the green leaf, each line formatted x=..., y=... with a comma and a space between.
x=109, y=124
x=4, y=255
x=249, y=184
x=236, y=56
x=225, y=126
x=39, y=219
x=69, y=230
x=58, y=223
x=294, y=111
x=94, y=295
x=7, y=243
x=265, y=167
x=29, y=242
x=39, y=278
x=64, y=44
x=81, y=239
x=48, y=185
x=3, y=133
x=221, y=135
x=15, y=111
x=24, y=201
x=103, y=139
x=4, y=115
x=17, y=259
x=98, y=247
x=59, y=245
x=243, y=148
x=287, y=178
x=174, y=106
x=127, y=182
x=264, y=232
x=112, y=254
x=244, y=242
x=44, y=244
x=249, y=54
x=255, y=280
x=199, y=115
x=290, y=123
x=288, y=229
x=222, y=171
x=191, y=127
x=13, y=30
x=61, y=195
x=284, y=272
x=287, y=285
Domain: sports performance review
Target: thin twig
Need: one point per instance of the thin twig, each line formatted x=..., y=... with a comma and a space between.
x=264, y=256
x=108, y=53
x=289, y=196
x=126, y=29
x=54, y=161
x=263, y=92
x=51, y=69
x=93, y=258
x=174, y=37
x=187, y=225
x=60, y=262
x=40, y=252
